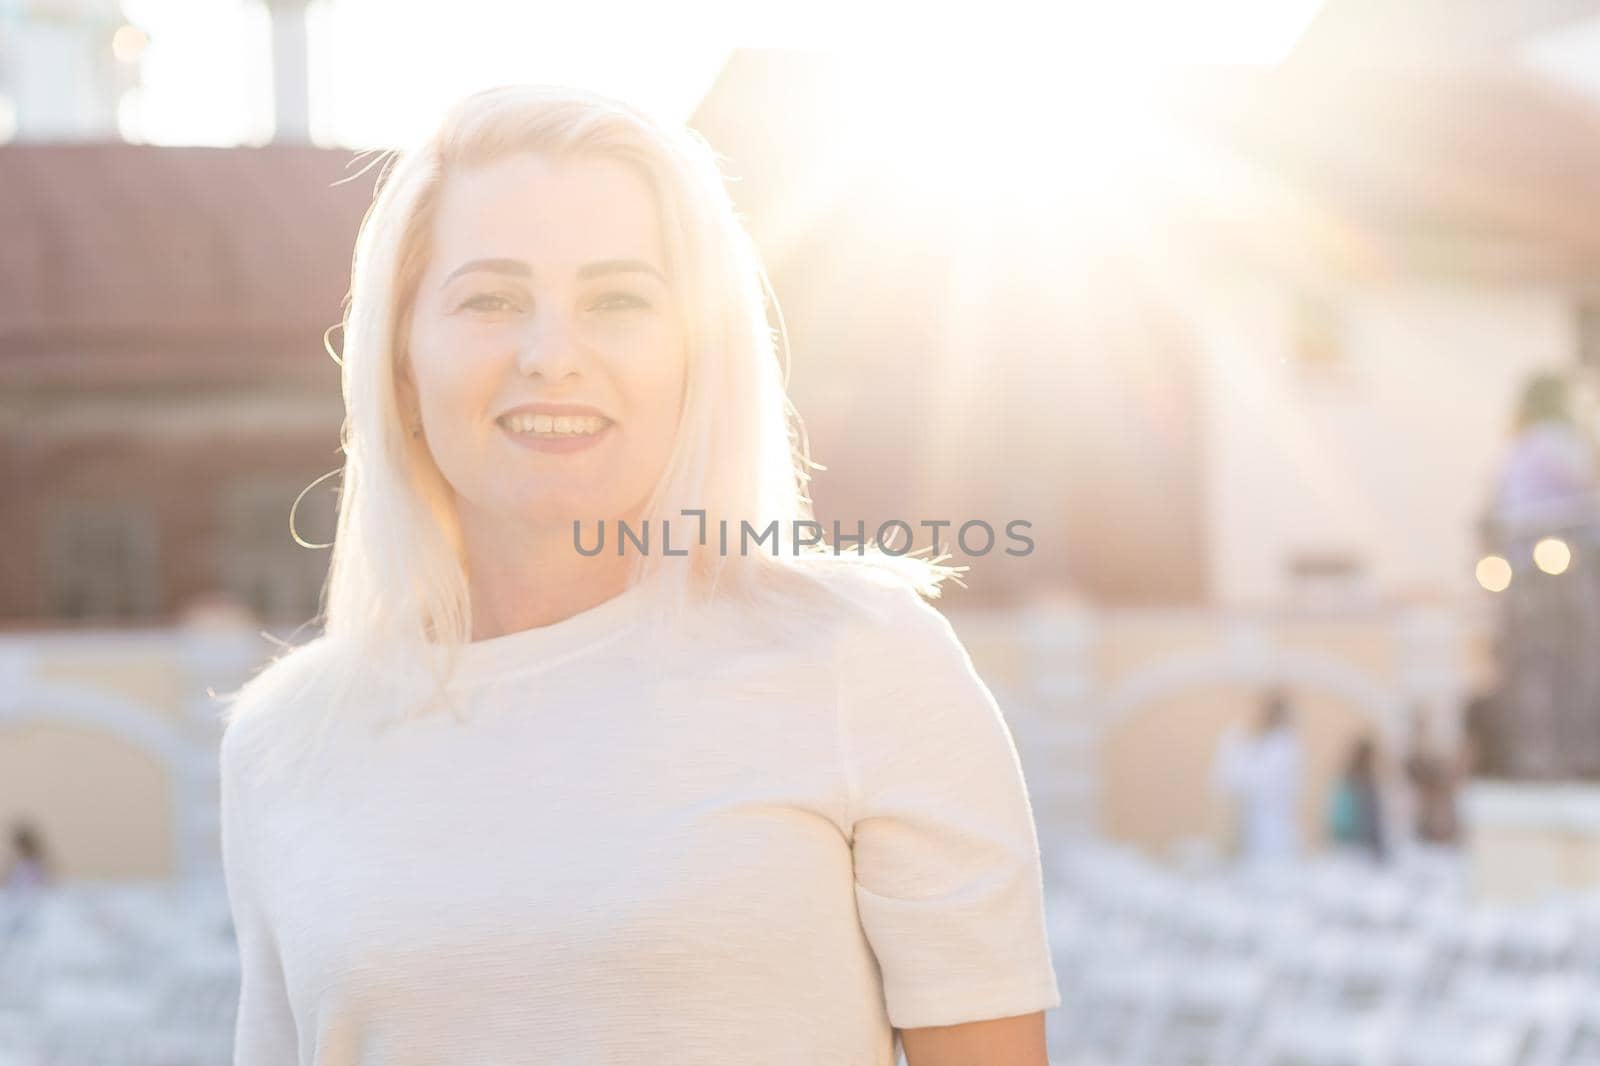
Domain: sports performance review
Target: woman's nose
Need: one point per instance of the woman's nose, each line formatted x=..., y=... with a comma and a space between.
x=549, y=347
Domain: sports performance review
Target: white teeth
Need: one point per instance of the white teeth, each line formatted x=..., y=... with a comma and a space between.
x=555, y=426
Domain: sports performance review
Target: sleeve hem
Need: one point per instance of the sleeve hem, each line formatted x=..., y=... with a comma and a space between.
x=935, y=1005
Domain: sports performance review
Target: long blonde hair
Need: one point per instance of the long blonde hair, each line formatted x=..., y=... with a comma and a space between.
x=397, y=583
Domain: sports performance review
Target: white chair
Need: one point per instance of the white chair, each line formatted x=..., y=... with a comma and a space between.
x=1308, y=1035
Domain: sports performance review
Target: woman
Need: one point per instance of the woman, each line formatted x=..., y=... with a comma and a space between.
x=691, y=805
x=1355, y=808
x=1546, y=483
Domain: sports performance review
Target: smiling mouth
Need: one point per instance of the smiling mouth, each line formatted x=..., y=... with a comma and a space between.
x=554, y=427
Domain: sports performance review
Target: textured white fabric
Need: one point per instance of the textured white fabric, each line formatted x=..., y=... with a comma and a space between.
x=773, y=851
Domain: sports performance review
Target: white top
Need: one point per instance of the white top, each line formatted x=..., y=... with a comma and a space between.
x=1264, y=772
x=1547, y=479
x=769, y=853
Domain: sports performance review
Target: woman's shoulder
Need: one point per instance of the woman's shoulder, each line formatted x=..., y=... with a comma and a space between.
x=850, y=604
x=876, y=591
x=279, y=684
x=885, y=635
x=283, y=698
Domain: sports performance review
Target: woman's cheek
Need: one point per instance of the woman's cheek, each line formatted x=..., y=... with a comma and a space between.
x=468, y=360
x=661, y=357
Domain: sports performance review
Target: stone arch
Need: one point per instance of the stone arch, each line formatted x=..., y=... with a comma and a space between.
x=1163, y=806
x=1384, y=705
x=45, y=702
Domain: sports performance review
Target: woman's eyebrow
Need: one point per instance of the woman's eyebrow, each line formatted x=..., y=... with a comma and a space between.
x=514, y=267
x=618, y=266
x=518, y=269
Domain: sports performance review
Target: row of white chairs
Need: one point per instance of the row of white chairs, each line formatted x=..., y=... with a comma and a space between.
x=118, y=974
x=1333, y=962
x=1329, y=963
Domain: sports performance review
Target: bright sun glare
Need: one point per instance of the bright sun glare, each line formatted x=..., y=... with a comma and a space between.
x=379, y=70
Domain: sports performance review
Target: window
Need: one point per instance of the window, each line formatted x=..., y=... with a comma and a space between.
x=1328, y=578
x=259, y=561
x=101, y=562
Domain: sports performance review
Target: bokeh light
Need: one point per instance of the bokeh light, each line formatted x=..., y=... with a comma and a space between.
x=1494, y=573
x=1552, y=555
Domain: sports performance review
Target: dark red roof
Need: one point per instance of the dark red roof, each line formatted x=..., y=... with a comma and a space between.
x=118, y=243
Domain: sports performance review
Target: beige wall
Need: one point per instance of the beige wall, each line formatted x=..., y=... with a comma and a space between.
x=83, y=760
x=1155, y=763
x=1153, y=758
x=101, y=804
x=1147, y=694
x=1388, y=456
x=1152, y=692
x=155, y=681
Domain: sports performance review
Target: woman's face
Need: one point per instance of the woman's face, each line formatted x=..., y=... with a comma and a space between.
x=547, y=344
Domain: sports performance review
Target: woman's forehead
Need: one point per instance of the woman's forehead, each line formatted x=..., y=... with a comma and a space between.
x=556, y=212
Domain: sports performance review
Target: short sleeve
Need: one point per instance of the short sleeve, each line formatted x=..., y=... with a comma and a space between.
x=947, y=872
x=264, y=1032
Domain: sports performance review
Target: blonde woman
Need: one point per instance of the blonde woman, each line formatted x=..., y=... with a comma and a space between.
x=718, y=800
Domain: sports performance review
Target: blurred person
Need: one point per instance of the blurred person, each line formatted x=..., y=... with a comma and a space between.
x=1547, y=479
x=1435, y=771
x=1482, y=742
x=1263, y=773
x=24, y=879
x=28, y=869
x=1355, y=808
x=522, y=802
x=1548, y=622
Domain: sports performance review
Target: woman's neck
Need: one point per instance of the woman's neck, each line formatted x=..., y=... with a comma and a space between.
x=521, y=576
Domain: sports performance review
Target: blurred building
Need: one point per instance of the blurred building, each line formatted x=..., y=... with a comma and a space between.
x=1252, y=433
x=1286, y=382
x=949, y=364
x=1256, y=428
x=64, y=67
x=165, y=393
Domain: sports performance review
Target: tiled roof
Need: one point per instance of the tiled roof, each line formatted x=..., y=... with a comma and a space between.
x=120, y=242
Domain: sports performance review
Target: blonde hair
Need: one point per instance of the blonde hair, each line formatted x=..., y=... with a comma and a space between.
x=397, y=583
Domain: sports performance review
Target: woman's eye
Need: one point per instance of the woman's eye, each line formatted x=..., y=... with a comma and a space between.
x=620, y=301
x=491, y=301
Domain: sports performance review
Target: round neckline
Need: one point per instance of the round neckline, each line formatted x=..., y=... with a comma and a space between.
x=544, y=646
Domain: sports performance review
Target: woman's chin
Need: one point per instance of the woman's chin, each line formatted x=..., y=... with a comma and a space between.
x=562, y=514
